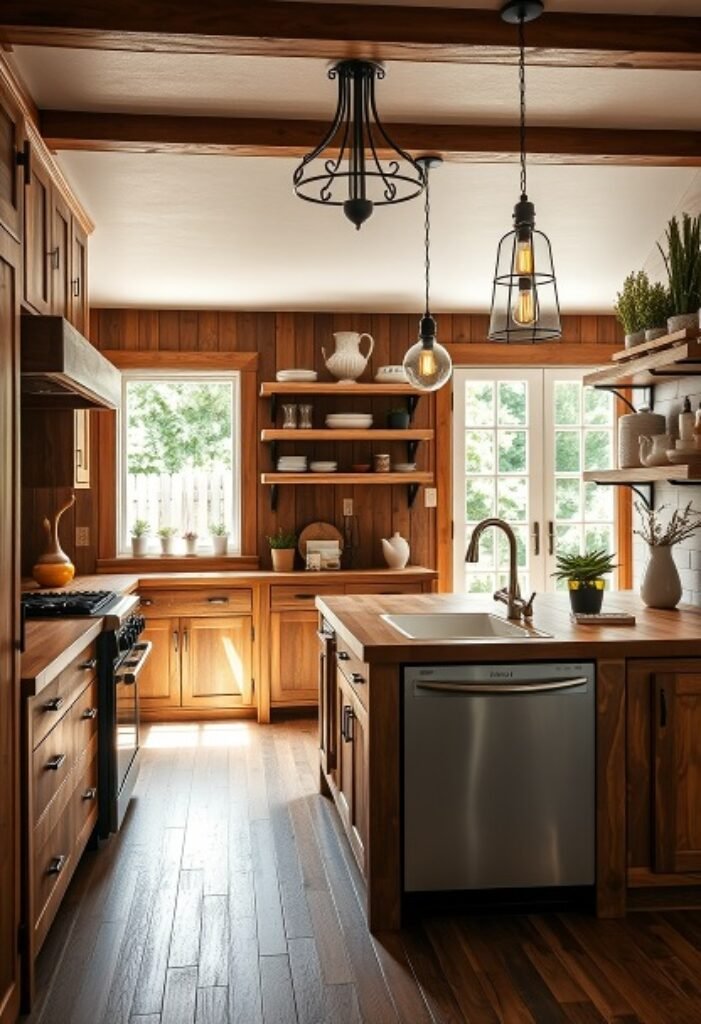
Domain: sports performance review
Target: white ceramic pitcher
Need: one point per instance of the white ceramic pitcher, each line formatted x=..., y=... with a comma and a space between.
x=396, y=551
x=653, y=450
x=348, y=362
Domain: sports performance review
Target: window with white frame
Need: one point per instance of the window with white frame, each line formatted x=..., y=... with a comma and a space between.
x=179, y=456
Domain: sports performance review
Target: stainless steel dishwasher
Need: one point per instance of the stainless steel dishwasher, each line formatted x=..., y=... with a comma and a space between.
x=499, y=776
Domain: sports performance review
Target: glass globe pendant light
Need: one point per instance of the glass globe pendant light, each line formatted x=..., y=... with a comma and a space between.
x=525, y=305
x=427, y=364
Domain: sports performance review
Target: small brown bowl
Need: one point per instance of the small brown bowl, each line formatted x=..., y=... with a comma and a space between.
x=361, y=467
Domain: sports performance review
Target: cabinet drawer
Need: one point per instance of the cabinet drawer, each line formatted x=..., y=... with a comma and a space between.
x=301, y=595
x=83, y=716
x=46, y=709
x=53, y=864
x=51, y=765
x=204, y=601
x=384, y=588
x=354, y=671
x=84, y=801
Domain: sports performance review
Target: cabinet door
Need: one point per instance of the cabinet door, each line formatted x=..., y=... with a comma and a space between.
x=216, y=660
x=11, y=178
x=81, y=436
x=327, y=700
x=159, y=681
x=343, y=775
x=293, y=657
x=37, y=240
x=60, y=256
x=78, y=310
x=352, y=769
x=677, y=758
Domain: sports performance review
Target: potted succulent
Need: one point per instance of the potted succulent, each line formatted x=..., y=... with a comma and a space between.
x=283, y=545
x=220, y=538
x=656, y=308
x=398, y=419
x=140, y=531
x=190, y=538
x=628, y=308
x=167, y=535
x=661, y=586
x=585, y=578
x=683, y=263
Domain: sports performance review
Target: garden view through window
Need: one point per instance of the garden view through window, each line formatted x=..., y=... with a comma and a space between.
x=180, y=438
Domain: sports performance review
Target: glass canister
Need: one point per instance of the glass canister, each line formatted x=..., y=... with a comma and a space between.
x=289, y=417
x=305, y=417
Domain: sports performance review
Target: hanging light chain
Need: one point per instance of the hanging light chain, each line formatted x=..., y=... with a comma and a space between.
x=427, y=237
x=522, y=92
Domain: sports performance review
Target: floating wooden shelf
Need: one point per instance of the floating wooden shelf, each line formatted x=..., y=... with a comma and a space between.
x=346, y=435
x=645, y=475
x=657, y=364
x=269, y=388
x=656, y=345
x=347, y=479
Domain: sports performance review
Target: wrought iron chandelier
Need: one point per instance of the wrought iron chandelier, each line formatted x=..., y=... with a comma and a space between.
x=427, y=364
x=356, y=165
x=525, y=305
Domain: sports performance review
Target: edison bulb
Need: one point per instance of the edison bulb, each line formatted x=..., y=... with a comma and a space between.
x=427, y=366
x=523, y=260
x=524, y=312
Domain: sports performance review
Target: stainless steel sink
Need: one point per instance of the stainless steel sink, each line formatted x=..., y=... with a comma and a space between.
x=460, y=626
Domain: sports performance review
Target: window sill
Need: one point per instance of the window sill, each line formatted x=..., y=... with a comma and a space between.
x=179, y=563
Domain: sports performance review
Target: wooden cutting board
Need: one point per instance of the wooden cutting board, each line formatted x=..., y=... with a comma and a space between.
x=318, y=531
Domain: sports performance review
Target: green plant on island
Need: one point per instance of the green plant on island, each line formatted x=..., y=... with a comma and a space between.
x=283, y=539
x=140, y=528
x=584, y=569
x=683, y=263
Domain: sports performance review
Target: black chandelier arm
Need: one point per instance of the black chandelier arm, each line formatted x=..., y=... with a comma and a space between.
x=339, y=116
x=390, y=188
x=331, y=165
x=397, y=149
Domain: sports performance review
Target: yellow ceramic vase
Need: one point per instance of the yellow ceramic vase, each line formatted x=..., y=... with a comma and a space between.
x=54, y=568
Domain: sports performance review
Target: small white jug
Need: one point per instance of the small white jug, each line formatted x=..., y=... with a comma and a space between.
x=348, y=362
x=653, y=450
x=396, y=551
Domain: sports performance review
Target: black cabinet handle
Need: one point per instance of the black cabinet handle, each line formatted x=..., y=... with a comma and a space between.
x=663, y=709
x=357, y=678
x=89, y=713
x=343, y=656
x=54, y=763
x=551, y=538
x=24, y=159
x=349, y=723
x=55, y=704
x=87, y=665
x=90, y=794
x=57, y=864
x=76, y=287
x=304, y=597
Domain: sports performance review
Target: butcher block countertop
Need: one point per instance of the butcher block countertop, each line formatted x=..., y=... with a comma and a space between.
x=656, y=633
x=50, y=646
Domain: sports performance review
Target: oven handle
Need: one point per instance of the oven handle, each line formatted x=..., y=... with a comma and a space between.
x=144, y=650
x=538, y=686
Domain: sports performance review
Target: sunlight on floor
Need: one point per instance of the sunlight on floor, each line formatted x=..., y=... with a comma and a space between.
x=192, y=734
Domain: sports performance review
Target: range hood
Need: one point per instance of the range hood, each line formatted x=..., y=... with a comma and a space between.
x=61, y=369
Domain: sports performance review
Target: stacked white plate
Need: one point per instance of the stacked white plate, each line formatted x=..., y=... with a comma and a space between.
x=292, y=464
x=323, y=467
x=295, y=375
x=349, y=420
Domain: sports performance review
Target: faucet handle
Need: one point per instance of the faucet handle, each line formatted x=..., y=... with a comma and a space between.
x=528, y=606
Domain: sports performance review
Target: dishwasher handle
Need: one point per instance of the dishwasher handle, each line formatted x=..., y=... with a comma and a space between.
x=537, y=686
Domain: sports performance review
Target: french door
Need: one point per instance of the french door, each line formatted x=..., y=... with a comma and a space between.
x=523, y=437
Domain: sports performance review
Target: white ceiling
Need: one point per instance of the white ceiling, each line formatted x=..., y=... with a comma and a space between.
x=224, y=232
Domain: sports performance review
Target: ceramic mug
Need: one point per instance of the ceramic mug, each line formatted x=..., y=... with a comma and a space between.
x=380, y=463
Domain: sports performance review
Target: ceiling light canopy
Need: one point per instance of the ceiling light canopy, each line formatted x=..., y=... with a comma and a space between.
x=356, y=165
x=525, y=305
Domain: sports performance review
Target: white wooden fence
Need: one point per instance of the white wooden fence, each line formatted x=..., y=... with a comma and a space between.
x=188, y=501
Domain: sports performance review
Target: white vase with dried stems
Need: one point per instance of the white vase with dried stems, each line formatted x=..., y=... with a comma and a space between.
x=661, y=586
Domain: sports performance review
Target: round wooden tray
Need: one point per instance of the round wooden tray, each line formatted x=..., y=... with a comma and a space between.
x=318, y=531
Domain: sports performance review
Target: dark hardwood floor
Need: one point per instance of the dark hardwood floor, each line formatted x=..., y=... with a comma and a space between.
x=230, y=896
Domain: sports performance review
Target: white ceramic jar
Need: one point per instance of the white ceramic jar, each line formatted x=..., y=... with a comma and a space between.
x=631, y=428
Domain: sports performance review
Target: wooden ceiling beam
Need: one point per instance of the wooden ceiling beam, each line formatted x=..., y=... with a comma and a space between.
x=272, y=28
x=153, y=133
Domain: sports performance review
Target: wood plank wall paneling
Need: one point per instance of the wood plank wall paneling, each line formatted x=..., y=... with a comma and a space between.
x=296, y=339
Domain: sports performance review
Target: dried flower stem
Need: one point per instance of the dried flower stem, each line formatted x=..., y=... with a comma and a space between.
x=682, y=524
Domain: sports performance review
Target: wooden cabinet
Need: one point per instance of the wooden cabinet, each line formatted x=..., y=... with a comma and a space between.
x=159, y=681
x=81, y=448
x=216, y=660
x=327, y=700
x=56, y=448
x=351, y=774
x=78, y=309
x=663, y=731
x=12, y=152
x=293, y=657
x=38, y=240
x=60, y=256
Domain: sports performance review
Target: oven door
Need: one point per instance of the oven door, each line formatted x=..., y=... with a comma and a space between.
x=126, y=695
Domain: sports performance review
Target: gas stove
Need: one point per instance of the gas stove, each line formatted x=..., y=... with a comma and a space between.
x=114, y=608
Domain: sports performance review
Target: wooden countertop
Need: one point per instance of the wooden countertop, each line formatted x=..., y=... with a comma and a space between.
x=656, y=633
x=51, y=645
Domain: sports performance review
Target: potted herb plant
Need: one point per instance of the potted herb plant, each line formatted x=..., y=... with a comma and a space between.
x=656, y=308
x=190, y=538
x=683, y=263
x=282, y=550
x=398, y=419
x=220, y=538
x=628, y=308
x=139, y=537
x=661, y=586
x=585, y=578
x=167, y=535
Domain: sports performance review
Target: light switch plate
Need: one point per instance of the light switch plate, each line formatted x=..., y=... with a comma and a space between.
x=430, y=497
x=82, y=536
x=348, y=506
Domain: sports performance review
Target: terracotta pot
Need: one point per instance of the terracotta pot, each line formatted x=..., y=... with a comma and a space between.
x=283, y=559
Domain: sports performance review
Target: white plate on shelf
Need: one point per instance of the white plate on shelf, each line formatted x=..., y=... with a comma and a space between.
x=683, y=458
x=296, y=375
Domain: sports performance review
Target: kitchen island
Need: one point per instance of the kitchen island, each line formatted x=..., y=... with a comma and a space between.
x=647, y=761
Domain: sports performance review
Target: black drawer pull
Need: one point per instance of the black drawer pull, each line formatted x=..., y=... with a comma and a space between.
x=89, y=713
x=91, y=663
x=54, y=763
x=90, y=794
x=55, y=704
x=357, y=678
x=343, y=656
x=304, y=597
x=57, y=864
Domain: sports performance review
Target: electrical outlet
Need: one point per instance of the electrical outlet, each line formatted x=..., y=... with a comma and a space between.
x=348, y=506
x=82, y=536
x=430, y=497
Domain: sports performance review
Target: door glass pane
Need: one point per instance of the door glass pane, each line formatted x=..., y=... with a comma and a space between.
x=567, y=397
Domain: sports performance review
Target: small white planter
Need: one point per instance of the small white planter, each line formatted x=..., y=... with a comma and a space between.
x=139, y=546
x=190, y=545
x=637, y=338
x=220, y=545
x=681, y=321
x=661, y=586
x=168, y=545
x=655, y=332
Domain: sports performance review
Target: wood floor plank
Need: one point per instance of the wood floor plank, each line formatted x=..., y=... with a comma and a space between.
x=271, y=929
x=187, y=921
x=307, y=982
x=429, y=975
x=399, y=977
x=276, y=989
x=462, y=978
x=342, y=1005
x=212, y=1005
x=180, y=996
x=97, y=974
x=328, y=935
x=215, y=942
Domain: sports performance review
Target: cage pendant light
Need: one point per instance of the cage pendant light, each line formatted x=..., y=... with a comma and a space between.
x=427, y=364
x=357, y=165
x=525, y=305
